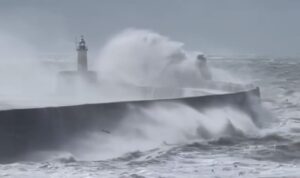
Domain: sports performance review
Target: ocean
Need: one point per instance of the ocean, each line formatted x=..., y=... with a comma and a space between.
x=271, y=151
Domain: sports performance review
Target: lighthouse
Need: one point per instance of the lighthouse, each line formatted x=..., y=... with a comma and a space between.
x=82, y=63
x=81, y=80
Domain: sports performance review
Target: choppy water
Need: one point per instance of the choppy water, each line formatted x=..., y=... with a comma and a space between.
x=275, y=153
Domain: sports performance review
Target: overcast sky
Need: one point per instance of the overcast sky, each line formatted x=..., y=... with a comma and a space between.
x=261, y=27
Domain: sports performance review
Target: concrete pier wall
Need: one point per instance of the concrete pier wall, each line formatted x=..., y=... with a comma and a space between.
x=26, y=130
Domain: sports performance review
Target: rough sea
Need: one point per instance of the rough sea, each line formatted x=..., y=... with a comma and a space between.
x=272, y=153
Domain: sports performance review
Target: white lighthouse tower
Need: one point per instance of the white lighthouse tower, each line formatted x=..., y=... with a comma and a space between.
x=82, y=79
x=82, y=62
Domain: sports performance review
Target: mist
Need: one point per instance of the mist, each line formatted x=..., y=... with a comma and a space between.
x=129, y=49
x=137, y=58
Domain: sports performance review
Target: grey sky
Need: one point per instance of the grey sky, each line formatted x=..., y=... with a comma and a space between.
x=262, y=27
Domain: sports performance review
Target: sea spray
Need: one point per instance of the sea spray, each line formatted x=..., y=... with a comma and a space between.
x=138, y=57
x=141, y=57
x=166, y=123
x=22, y=73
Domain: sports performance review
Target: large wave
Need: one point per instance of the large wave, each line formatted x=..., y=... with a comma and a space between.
x=142, y=57
x=165, y=124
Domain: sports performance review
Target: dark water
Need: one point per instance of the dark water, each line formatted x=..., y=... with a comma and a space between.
x=274, y=151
